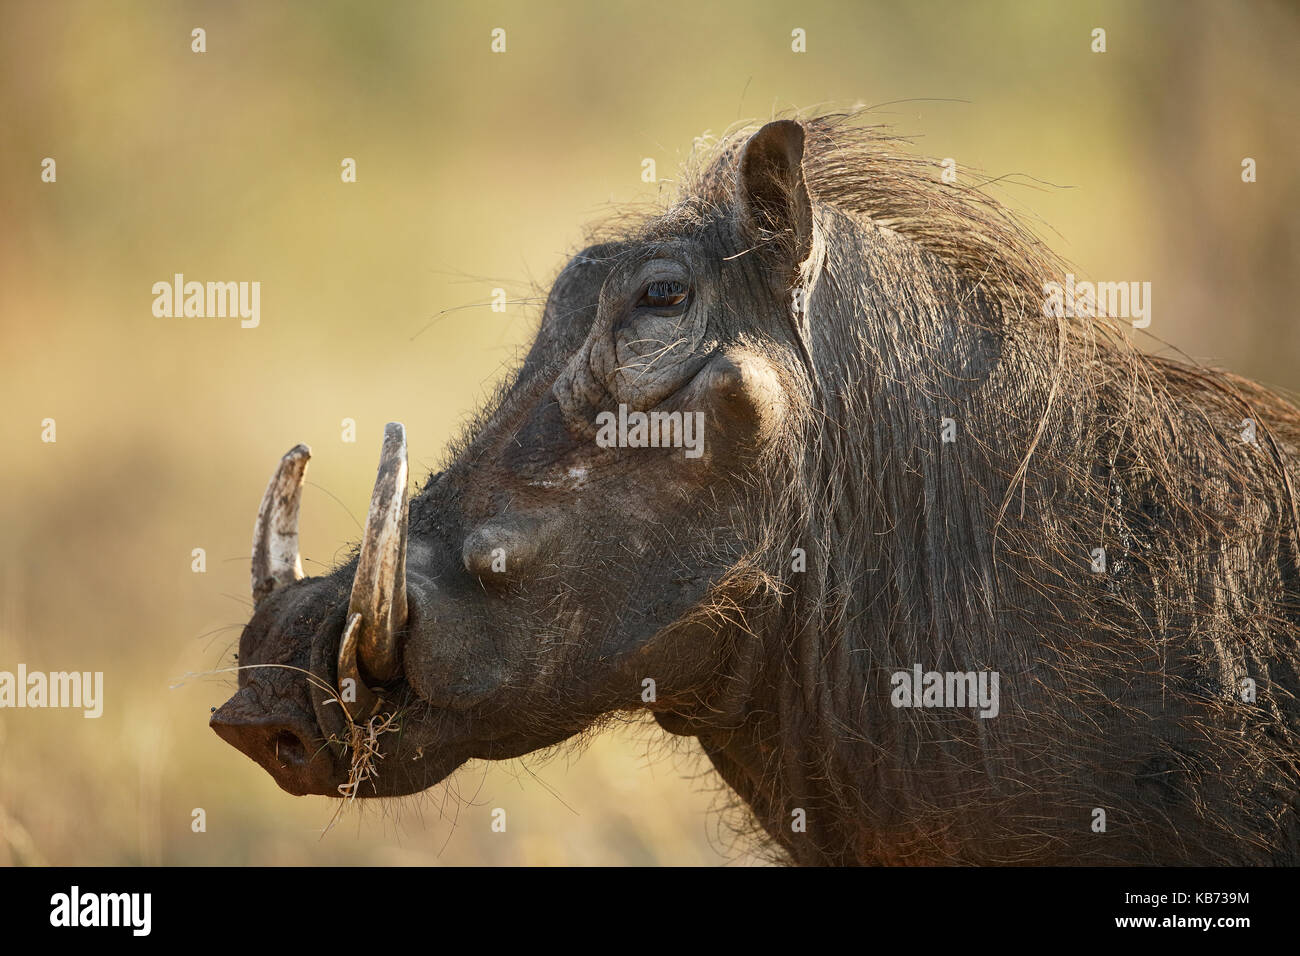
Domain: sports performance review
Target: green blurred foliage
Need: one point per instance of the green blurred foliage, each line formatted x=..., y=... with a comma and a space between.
x=476, y=171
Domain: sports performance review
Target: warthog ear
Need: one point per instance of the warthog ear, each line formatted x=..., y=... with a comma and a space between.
x=771, y=196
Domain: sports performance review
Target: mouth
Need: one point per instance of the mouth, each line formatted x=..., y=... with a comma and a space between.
x=379, y=760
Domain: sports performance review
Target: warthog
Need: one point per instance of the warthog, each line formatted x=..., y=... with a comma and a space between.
x=908, y=467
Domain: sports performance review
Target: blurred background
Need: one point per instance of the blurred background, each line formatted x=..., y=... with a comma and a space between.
x=477, y=171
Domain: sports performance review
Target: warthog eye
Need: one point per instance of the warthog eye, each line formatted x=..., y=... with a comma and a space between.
x=663, y=294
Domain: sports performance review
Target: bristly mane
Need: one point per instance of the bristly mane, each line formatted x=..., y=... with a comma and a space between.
x=1124, y=689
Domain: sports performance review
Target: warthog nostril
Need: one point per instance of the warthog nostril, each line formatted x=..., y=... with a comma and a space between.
x=289, y=749
x=286, y=744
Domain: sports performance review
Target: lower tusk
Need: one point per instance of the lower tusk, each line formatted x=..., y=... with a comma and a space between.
x=359, y=701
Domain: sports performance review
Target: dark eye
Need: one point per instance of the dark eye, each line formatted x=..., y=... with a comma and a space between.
x=663, y=294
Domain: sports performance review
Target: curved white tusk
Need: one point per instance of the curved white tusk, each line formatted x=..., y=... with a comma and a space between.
x=379, y=588
x=275, y=536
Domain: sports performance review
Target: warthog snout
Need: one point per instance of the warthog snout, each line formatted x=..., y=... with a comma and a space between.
x=286, y=745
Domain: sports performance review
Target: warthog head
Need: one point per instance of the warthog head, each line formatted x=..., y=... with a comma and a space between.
x=812, y=437
x=569, y=562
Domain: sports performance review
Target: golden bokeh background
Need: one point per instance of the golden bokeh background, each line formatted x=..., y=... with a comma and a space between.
x=476, y=171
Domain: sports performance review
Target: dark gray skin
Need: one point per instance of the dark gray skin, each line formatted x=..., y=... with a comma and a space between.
x=822, y=434
x=499, y=665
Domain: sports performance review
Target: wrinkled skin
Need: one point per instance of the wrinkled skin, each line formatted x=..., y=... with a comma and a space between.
x=498, y=664
x=1121, y=691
